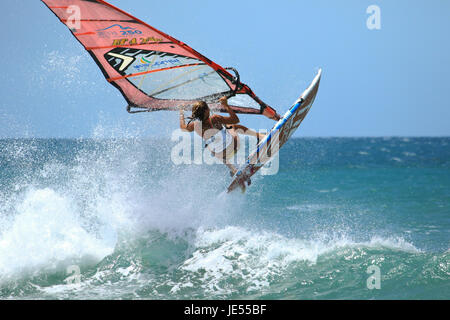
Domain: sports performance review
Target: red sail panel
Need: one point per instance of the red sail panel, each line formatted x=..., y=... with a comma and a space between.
x=151, y=69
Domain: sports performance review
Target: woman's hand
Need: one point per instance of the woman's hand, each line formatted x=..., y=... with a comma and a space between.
x=224, y=100
x=182, y=116
x=182, y=108
x=233, y=118
x=183, y=125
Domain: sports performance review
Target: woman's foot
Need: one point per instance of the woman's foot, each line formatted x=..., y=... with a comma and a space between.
x=233, y=170
x=262, y=136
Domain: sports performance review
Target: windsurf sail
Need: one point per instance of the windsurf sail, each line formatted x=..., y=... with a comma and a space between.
x=151, y=69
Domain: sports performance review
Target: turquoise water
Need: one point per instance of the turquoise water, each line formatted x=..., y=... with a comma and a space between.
x=136, y=226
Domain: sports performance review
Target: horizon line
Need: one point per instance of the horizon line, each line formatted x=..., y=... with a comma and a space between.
x=166, y=137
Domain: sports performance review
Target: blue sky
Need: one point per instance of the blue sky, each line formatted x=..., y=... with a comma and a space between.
x=388, y=82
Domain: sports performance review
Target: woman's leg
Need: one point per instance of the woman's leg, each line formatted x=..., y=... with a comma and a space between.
x=232, y=168
x=249, y=132
x=229, y=153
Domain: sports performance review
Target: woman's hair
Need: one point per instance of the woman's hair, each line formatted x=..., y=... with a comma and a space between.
x=198, y=111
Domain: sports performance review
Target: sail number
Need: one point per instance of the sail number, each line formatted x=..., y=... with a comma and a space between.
x=130, y=32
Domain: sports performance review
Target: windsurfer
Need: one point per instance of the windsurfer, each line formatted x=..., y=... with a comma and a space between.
x=220, y=133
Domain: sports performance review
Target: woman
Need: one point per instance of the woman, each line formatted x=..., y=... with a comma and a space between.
x=220, y=133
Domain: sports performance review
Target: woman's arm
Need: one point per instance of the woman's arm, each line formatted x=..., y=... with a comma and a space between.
x=233, y=118
x=183, y=126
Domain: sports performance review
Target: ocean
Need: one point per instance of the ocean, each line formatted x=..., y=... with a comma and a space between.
x=344, y=218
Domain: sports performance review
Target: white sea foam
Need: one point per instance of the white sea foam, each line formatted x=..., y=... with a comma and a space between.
x=327, y=190
x=63, y=213
x=409, y=154
x=73, y=212
x=100, y=196
x=316, y=207
x=61, y=63
x=254, y=258
x=45, y=232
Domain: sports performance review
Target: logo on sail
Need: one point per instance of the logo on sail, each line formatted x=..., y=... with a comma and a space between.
x=147, y=64
x=117, y=30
